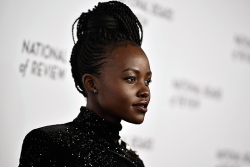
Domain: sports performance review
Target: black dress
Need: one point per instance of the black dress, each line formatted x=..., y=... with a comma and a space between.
x=88, y=140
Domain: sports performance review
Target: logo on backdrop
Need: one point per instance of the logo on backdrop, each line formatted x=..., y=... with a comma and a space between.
x=43, y=60
x=189, y=94
x=154, y=9
x=241, y=52
x=231, y=158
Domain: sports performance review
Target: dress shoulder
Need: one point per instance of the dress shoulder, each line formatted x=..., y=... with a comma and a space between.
x=43, y=145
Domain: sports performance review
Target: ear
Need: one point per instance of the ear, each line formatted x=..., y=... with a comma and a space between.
x=88, y=81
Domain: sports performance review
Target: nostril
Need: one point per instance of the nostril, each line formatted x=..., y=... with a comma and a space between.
x=143, y=93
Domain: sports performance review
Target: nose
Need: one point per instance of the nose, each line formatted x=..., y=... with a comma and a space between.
x=144, y=92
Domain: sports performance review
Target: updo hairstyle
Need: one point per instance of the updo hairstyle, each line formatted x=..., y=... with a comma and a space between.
x=107, y=25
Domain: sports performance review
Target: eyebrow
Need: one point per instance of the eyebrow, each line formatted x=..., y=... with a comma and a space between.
x=136, y=71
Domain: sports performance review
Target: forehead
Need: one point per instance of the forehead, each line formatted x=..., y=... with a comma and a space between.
x=129, y=56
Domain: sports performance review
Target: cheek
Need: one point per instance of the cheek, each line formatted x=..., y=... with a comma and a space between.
x=121, y=91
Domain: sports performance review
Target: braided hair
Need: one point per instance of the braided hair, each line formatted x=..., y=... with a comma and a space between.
x=98, y=30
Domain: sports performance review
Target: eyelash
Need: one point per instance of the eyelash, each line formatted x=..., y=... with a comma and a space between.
x=149, y=80
x=130, y=78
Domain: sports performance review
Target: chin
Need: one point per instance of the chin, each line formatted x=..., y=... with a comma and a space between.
x=137, y=120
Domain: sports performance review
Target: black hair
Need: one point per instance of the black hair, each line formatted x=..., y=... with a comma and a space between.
x=98, y=30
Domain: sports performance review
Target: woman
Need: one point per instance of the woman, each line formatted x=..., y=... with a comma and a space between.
x=111, y=70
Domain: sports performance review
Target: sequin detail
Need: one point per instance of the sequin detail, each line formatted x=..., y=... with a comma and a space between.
x=89, y=140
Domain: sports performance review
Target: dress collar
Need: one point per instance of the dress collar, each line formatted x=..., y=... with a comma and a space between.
x=89, y=119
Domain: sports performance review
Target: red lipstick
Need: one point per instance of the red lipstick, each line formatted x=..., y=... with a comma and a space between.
x=142, y=106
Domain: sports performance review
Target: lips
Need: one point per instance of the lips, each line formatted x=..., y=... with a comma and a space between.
x=142, y=106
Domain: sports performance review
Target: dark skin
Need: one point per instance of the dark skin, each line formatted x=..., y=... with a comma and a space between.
x=123, y=88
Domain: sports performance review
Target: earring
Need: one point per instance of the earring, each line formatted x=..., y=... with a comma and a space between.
x=95, y=91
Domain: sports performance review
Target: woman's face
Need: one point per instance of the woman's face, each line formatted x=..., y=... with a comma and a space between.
x=123, y=89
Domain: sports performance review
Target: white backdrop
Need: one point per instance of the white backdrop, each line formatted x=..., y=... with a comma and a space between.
x=199, y=52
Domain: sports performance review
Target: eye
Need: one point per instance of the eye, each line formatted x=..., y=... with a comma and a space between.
x=130, y=79
x=148, y=81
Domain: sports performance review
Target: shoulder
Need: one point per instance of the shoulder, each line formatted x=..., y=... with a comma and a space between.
x=54, y=129
x=52, y=133
x=42, y=145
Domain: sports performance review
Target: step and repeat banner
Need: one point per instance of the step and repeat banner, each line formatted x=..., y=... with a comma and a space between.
x=199, y=53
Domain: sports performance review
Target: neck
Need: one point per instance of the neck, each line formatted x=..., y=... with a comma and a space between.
x=95, y=107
